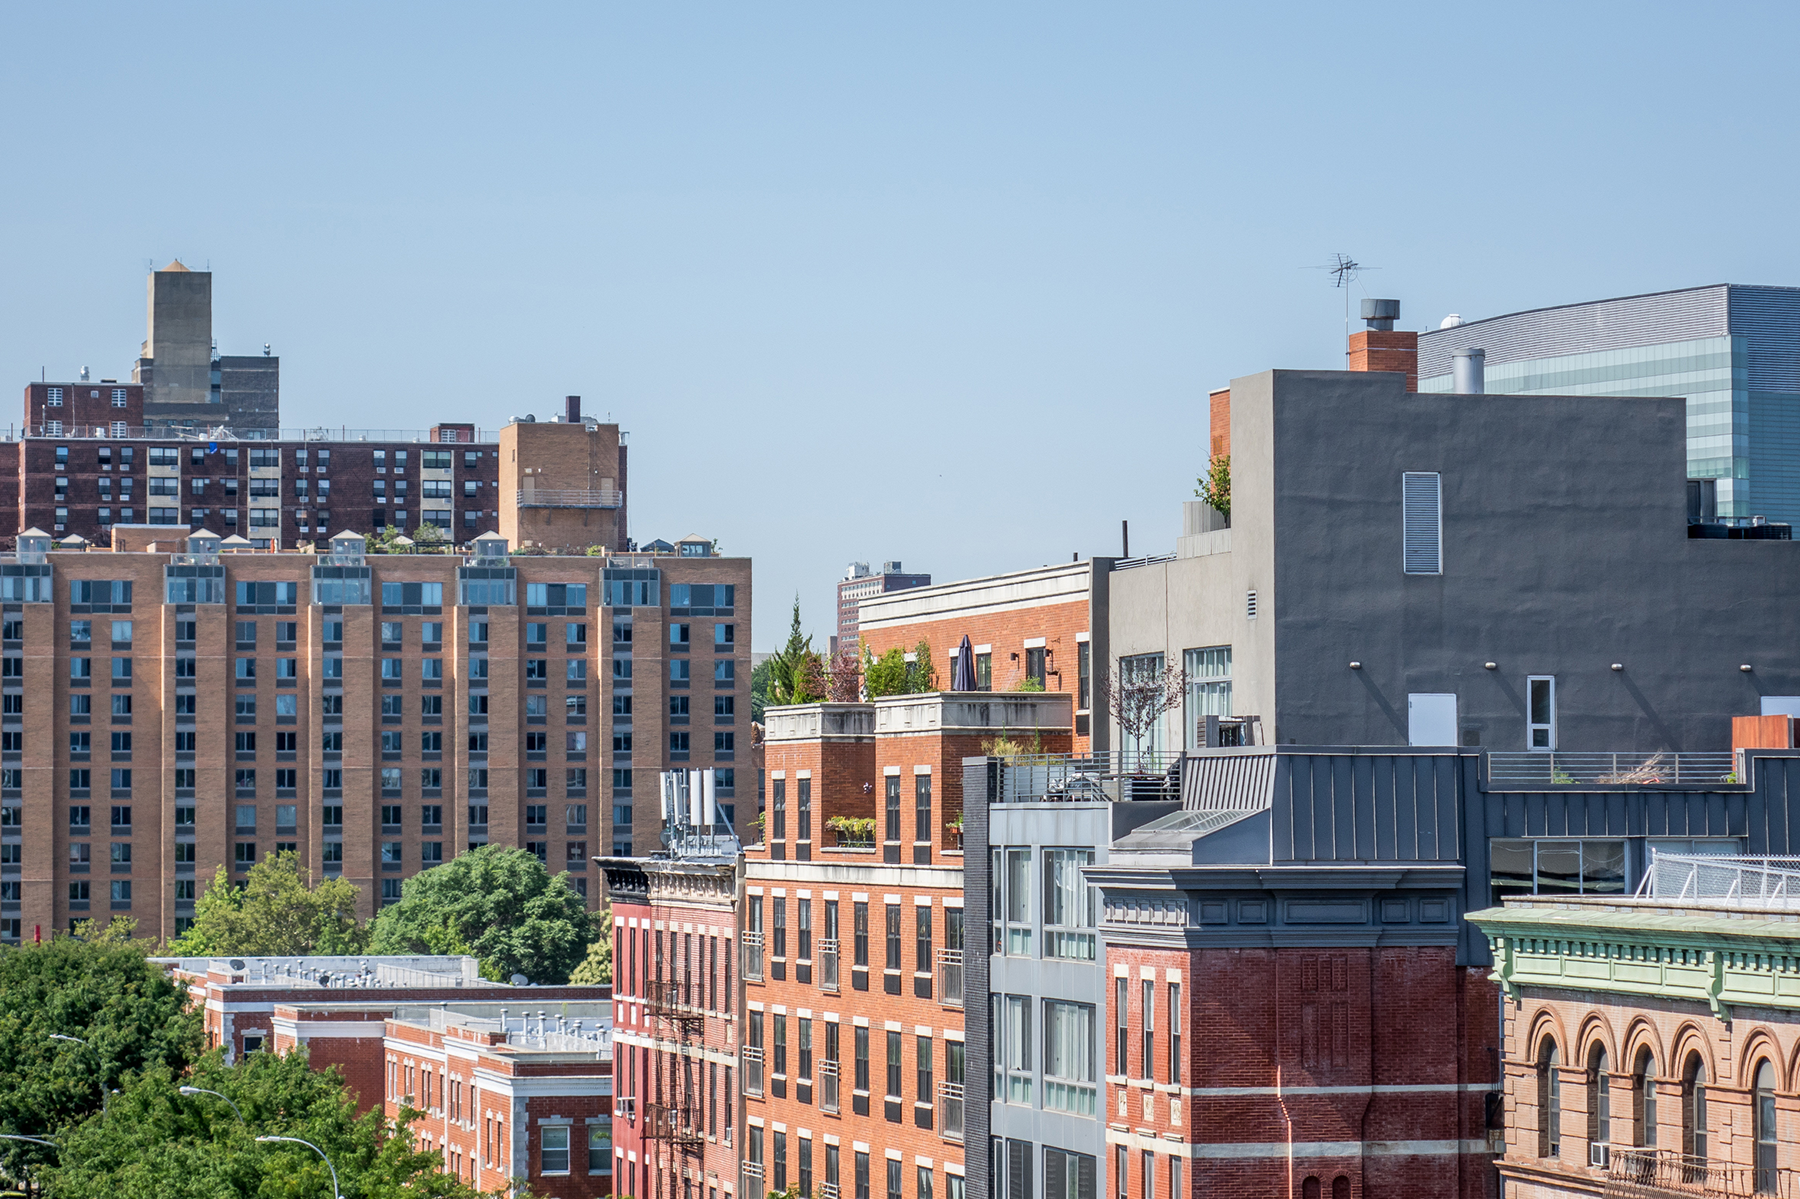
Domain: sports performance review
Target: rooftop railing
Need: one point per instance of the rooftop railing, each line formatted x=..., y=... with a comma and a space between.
x=117, y=432
x=1631, y=768
x=564, y=497
x=1089, y=778
x=1722, y=880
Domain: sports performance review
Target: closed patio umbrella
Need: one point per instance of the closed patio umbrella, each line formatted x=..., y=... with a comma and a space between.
x=963, y=677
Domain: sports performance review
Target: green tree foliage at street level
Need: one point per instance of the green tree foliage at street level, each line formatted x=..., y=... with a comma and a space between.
x=132, y=1016
x=1215, y=485
x=892, y=674
x=274, y=914
x=497, y=903
x=796, y=670
x=597, y=967
x=155, y=1143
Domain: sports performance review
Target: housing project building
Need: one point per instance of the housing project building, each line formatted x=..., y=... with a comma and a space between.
x=374, y=713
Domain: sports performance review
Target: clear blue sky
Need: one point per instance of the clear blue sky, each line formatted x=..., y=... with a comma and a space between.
x=942, y=283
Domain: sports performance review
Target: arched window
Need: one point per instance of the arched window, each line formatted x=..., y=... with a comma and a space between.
x=1643, y=1100
x=1549, y=1100
x=1763, y=1114
x=1693, y=1109
x=1310, y=1189
x=1599, y=1097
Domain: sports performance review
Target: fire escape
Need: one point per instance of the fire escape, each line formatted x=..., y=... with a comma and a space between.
x=674, y=1117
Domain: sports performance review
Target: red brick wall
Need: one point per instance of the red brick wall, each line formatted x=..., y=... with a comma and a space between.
x=1219, y=405
x=1355, y=1020
x=1387, y=350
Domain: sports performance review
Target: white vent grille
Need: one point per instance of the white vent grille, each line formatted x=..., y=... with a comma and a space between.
x=1422, y=510
x=1250, y=605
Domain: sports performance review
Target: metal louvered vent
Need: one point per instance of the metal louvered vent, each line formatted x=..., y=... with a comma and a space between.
x=1250, y=605
x=1422, y=535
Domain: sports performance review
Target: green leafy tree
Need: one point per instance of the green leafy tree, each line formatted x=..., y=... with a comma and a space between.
x=796, y=670
x=274, y=914
x=156, y=1143
x=126, y=1010
x=885, y=675
x=597, y=968
x=921, y=674
x=497, y=903
x=388, y=541
x=430, y=539
x=759, y=687
x=1215, y=485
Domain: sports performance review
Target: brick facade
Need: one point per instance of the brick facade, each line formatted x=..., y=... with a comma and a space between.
x=565, y=480
x=1386, y=350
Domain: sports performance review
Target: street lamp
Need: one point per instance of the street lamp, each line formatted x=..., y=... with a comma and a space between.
x=57, y=1036
x=296, y=1140
x=204, y=1091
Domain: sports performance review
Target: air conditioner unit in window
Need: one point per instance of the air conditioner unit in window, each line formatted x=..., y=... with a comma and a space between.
x=1599, y=1154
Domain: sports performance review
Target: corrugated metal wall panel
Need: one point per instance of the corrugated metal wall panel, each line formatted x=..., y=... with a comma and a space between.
x=1236, y=782
x=1615, y=324
x=1770, y=318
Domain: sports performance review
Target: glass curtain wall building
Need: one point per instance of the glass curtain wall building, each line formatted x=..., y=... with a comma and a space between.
x=1733, y=352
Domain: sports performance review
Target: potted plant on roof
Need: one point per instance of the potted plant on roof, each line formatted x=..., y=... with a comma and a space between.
x=1137, y=693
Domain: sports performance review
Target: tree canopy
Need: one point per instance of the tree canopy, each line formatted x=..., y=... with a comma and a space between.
x=130, y=1014
x=597, y=967
x=155, y=1143
x=796, y=670
x=497, y=903
x=274, y=914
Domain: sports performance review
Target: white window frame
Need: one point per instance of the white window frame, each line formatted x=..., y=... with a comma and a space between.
x=1532, y=727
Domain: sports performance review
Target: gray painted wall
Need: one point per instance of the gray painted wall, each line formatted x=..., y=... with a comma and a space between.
x=1565, y=551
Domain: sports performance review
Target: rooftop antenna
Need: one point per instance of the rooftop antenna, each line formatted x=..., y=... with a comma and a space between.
x=1344, y=271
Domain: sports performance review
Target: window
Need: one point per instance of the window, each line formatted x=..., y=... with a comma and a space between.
x=1175, y=1033
x=893, y=1064
x=922, y=959
x=1762, y=1116
x=553, y=1150
x=892, y=810
x=859, y=920
x=1549, y=1096
x=1147, y=1059
x=1070, y=1077
x=1014, y=1058
x=1693, y=1108
x=1599, y=1097
x=1074, y=1175
x=1018, y=902
x=1541, y=711
x=1643, y=1100
x=1552, y=867
x=724, y=671
x=1208, y=689
x=1121, y=1015
x=862, y=1058
x=1421, y=521
x=893, y=1163
x=893, y=936
x=922, y=808
x=1069, y=905
x=862, y=1175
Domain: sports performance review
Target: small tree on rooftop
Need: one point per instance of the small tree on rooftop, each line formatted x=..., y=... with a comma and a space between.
x=1137, y=694
x=1215, y=485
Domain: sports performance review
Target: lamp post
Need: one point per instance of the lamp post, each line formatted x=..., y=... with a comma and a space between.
x=296, y=1140
x=217, y=1095
x=57, y=1036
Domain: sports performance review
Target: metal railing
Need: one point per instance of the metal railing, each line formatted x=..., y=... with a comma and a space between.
x=673, y=1124
x=828, y=964
x=752, y=949
x=752, y=1056
x=752, y=1170
x=1724, y=879
x=1107, y=777
x=828, y=1086
x=950, y=977
x=826, y=1190
x=1630, y=768
x=1666, y=1173
x=673, y=1000
x=222, y=433
x=569, y=497
x=950, y=1099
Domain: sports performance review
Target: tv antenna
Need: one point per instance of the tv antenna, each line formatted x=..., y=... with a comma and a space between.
x=1344, y=271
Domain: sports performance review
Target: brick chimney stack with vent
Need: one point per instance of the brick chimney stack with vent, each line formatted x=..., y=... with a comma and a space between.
x=1381, y=347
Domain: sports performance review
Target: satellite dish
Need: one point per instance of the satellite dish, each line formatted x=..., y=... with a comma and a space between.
x=237, y=963
x=519, y=980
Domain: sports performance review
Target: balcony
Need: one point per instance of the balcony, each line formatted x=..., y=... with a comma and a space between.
x=1532, y=771
x=826, y=1190
x=675, y=1125
x=950, y=977
x=950, y=1101
x=828, y=1086
x=1666, y=1174
x=671, y=1001
x=752, y=1056
x=828, y=964
x=555, y=497
x=752, y=949
x=1085, y=778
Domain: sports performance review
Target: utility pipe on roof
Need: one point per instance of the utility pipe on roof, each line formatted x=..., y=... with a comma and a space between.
x=1468, y=372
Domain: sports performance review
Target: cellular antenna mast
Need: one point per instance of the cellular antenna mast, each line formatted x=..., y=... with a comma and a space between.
x=1344, y=271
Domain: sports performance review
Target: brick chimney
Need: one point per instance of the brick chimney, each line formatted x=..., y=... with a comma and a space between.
x=1381, y=347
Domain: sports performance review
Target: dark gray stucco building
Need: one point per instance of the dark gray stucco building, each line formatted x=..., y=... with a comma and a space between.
x=1506, y=571
x=1731, y=351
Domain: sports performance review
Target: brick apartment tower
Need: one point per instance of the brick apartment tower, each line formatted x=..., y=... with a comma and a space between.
x=174, y=707
x=675, y=987
x=567, y=481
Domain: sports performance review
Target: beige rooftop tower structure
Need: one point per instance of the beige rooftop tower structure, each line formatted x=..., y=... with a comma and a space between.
x=562, y=483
